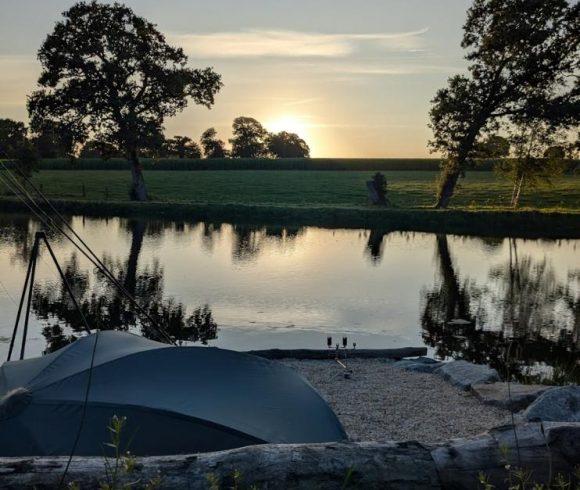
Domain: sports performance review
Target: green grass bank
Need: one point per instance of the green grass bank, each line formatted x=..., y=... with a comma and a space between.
x=525, y=224
x=322, y=198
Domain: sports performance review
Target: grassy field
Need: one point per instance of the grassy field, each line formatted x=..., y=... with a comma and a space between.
x=407, y=189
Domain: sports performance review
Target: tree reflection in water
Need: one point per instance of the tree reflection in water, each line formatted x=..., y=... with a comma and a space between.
x=522, y=311
x=106, y=308
x=18, y=231
x=376, y=245
x=248, y=240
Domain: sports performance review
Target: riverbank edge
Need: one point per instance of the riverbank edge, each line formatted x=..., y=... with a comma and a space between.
x=524, y=224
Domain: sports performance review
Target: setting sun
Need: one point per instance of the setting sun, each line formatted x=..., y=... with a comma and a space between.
x=291, y=124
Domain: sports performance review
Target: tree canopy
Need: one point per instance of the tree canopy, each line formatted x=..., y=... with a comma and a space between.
x=249, y=139
x=287, y=145
x=12, y=134
x=212, y=146
x=521, y=54
x=53, y=140
x=182, y=147
x=493, y=146
x=99, y=149
x=109, y=73
x=15, y=145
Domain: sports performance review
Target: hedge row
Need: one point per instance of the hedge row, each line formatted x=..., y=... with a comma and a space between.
x=346, y=164
x=352, y=164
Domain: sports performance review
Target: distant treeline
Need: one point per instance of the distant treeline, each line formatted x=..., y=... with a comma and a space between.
x=346, y=164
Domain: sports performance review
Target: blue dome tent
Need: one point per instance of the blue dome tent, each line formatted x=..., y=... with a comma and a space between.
x=175, y=399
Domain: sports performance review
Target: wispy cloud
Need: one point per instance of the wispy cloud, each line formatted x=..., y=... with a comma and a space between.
x=292, y=44
x=401, y=69
x=296, y=102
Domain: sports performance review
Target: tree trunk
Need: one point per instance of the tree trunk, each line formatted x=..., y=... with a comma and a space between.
x=514, y=193
x=517, y=192
x=138, y=189
x=447, y=186
x=545, y=451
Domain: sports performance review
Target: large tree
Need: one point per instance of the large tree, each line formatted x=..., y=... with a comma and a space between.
x=521, y=53
x=110, y=74
x=53, y=140
x=16, y=146
x=12, y=134
x=287, y=145
x=249, y=139
x=212, y=146
x=535, y=159
x=183, y=147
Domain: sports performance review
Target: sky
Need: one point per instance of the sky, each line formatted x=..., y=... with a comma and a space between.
x=353, y=78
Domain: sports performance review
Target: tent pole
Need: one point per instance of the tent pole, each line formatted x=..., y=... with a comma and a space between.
x=23, y=295
x=33, y=260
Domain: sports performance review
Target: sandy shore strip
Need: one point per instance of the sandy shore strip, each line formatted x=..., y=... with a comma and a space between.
x=380, y=402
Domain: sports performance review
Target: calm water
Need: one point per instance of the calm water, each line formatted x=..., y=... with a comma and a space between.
x=291, y=287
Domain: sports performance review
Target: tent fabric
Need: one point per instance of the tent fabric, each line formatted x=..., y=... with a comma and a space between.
x=176, y=400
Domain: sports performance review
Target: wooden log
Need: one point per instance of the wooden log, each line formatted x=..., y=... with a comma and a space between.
x=312, y=354
x=544, y=450
x=320, y=466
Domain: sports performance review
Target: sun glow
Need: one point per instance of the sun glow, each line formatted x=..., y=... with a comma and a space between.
x=291, y=124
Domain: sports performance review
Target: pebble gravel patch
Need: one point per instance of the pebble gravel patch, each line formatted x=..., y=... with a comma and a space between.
x=379, y=402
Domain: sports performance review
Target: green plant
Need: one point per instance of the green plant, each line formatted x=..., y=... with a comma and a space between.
x=348, y=478
x=484, y=481
x=122, y=462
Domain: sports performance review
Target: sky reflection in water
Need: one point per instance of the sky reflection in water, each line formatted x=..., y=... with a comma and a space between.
x=291, y=287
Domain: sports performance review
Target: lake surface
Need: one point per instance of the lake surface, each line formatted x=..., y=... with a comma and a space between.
x=292, y=287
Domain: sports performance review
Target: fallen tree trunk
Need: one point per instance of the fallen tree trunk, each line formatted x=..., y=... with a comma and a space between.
x=408, y=465
x=312, y=354
x=543, y=450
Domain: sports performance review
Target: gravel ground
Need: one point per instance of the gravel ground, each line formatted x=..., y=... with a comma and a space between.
x=380, y=402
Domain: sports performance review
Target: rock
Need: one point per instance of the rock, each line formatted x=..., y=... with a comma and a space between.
x=496, y=394
x=419, y=365
x=561, y=404
x=464, y=374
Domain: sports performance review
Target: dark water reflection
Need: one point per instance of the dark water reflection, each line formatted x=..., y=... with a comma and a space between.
x=470, y=298
x=538, y=317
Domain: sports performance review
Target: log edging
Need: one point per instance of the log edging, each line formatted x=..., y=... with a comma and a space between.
x=545, y=449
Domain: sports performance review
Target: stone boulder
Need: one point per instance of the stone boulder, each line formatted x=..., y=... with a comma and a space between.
x=561, y=404
x=418, y=365
x=465, y=374
x=517, y=398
